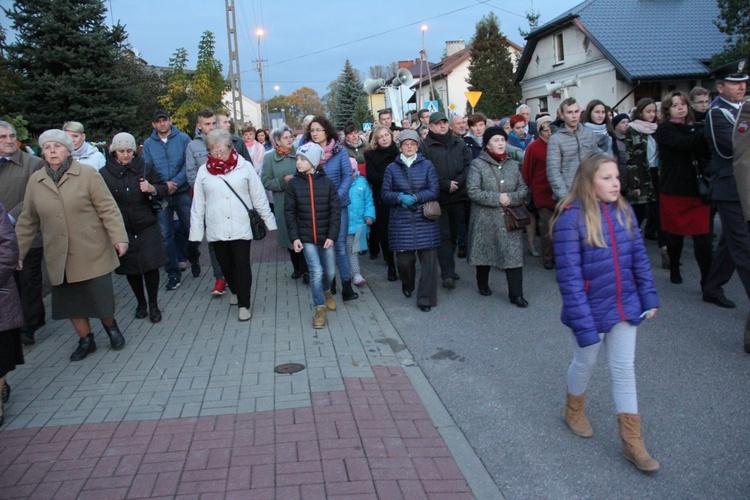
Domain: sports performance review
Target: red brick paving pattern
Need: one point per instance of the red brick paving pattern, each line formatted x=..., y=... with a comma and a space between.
x=374, y=440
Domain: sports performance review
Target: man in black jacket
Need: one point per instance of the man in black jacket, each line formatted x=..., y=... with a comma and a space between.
x=451, y=159
x=733, y=250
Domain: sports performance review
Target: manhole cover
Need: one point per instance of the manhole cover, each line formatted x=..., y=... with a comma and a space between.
x=289, y=368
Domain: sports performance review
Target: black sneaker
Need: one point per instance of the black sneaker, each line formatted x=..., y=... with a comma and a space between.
x=173, y=283
x=196, y=269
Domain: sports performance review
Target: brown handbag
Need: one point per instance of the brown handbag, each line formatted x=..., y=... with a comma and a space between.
x=431, y=210
x=517, y=218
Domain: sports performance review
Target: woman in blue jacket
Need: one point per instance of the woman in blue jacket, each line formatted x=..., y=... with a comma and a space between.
x=607, y=289
x=409, y=182
x=335, y=163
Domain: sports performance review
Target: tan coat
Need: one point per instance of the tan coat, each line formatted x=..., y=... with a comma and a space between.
x=741, y=143
x=79, y=220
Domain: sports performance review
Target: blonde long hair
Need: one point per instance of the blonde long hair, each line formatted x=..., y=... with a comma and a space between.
x=583, y=190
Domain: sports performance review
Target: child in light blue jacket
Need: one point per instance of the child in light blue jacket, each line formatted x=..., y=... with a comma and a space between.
x=361, y=212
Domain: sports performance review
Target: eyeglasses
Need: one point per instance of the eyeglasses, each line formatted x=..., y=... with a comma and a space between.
x=219, y=152
x=316, y=130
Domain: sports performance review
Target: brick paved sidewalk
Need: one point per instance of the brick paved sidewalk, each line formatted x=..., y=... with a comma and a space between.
x=192, y=408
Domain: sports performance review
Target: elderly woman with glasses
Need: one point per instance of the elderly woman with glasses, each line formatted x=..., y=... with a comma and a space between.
x=226, y=186
x=279, y=167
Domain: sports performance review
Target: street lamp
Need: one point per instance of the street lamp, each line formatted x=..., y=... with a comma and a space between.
x=263, y=104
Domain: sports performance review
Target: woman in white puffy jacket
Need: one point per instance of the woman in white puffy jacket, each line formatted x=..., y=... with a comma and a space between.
x=225, y=187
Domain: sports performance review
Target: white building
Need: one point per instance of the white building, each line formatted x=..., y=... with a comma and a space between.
x=250, y=109
x=621, y=50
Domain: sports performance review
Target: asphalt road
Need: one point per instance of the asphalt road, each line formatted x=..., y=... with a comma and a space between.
x=501, y=370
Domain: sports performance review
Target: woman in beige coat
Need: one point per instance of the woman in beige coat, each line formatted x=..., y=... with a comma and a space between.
x=83, y=235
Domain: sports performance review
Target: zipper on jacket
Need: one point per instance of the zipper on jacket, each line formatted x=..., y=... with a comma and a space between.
x=617, y=262
x=312, y=204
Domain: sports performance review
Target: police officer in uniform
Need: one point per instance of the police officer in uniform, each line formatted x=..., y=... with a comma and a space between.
x=733, y=251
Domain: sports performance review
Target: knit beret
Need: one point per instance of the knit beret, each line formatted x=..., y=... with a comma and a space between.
x=311, y=152
x=56, y=135
x=123, y=140
x=491, y=132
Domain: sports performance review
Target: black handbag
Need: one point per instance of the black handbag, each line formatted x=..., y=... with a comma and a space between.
x=155, y=202
x=256, y=222
x=704, y=186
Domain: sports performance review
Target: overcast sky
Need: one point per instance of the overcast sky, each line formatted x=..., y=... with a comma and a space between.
x=307, y=43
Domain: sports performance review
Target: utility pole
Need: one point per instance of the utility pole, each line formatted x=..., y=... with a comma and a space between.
x=238, y=114
x=263, y=103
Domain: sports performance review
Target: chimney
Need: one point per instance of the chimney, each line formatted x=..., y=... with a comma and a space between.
x=405, y=64
x=453, y=46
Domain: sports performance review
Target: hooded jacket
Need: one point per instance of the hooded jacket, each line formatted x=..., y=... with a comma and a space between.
x=601, y=287
x=565, y=150
x=312, y=209
x=168, y=158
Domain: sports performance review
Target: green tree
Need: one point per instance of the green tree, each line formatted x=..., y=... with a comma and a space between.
x=532, y=16
x=64, y=52
x=177, y=83
x=329, y=98
x=733, y=21
x=362, y=112
x=208, y=84
x=302, y=102
x=348, y=91
x=491, y=70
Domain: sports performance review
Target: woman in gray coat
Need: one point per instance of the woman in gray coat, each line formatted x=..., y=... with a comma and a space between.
x=494, y=182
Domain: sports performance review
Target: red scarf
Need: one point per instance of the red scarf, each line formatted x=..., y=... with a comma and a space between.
x=497, y=157
x=282, y=152
x=215, y=166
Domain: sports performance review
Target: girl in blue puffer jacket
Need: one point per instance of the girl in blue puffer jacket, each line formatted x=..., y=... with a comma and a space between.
x=607, y=290
x=361, y=212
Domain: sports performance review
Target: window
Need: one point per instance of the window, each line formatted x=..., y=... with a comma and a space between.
x=559, y=49
x=543, y=107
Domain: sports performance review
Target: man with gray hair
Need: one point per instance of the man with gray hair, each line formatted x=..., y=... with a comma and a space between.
x=525, y=111
x=16, y=167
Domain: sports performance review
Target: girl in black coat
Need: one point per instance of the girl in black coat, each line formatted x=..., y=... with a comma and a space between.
x=135, y=185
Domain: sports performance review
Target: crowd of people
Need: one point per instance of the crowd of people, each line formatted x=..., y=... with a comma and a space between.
x=588, y=182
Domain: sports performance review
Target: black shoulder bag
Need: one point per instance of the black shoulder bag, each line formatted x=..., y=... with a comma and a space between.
x=256, y=222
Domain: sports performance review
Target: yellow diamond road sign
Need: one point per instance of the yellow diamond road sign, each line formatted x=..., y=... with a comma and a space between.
x=473, y=97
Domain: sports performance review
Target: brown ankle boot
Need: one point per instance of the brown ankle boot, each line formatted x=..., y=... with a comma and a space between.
x=330, y=301
x=632, y=442
x=319, y=320
x=575, y=416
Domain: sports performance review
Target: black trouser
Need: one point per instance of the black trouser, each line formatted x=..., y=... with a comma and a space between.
x=451, y=217
x=653, y=221
x=513, y=275
x=733, y=251
x=29, y=284
x=380, y=231
x=407, y=271
x=152, y=286
x=234, y=259
x=701, y=250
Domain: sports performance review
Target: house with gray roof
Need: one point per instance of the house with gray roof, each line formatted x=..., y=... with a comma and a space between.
x=620, y=51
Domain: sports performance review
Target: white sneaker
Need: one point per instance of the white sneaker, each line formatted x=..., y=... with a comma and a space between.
x=359, y=280
x=244, y=314
x=233, y=300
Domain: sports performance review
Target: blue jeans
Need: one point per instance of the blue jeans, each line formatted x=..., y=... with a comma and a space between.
x=178, y=203
x=342, y=256
x=322, y=266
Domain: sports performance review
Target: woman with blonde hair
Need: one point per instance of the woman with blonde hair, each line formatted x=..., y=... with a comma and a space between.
x=607, y=290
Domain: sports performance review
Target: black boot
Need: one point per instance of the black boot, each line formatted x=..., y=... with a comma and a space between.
x=333, y=287
x=154, y=313
x=347, y=293
x=86, y=346
x=27, y=337
x=115, y=336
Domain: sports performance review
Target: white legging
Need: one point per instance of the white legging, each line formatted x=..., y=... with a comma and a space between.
x=619, y=347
